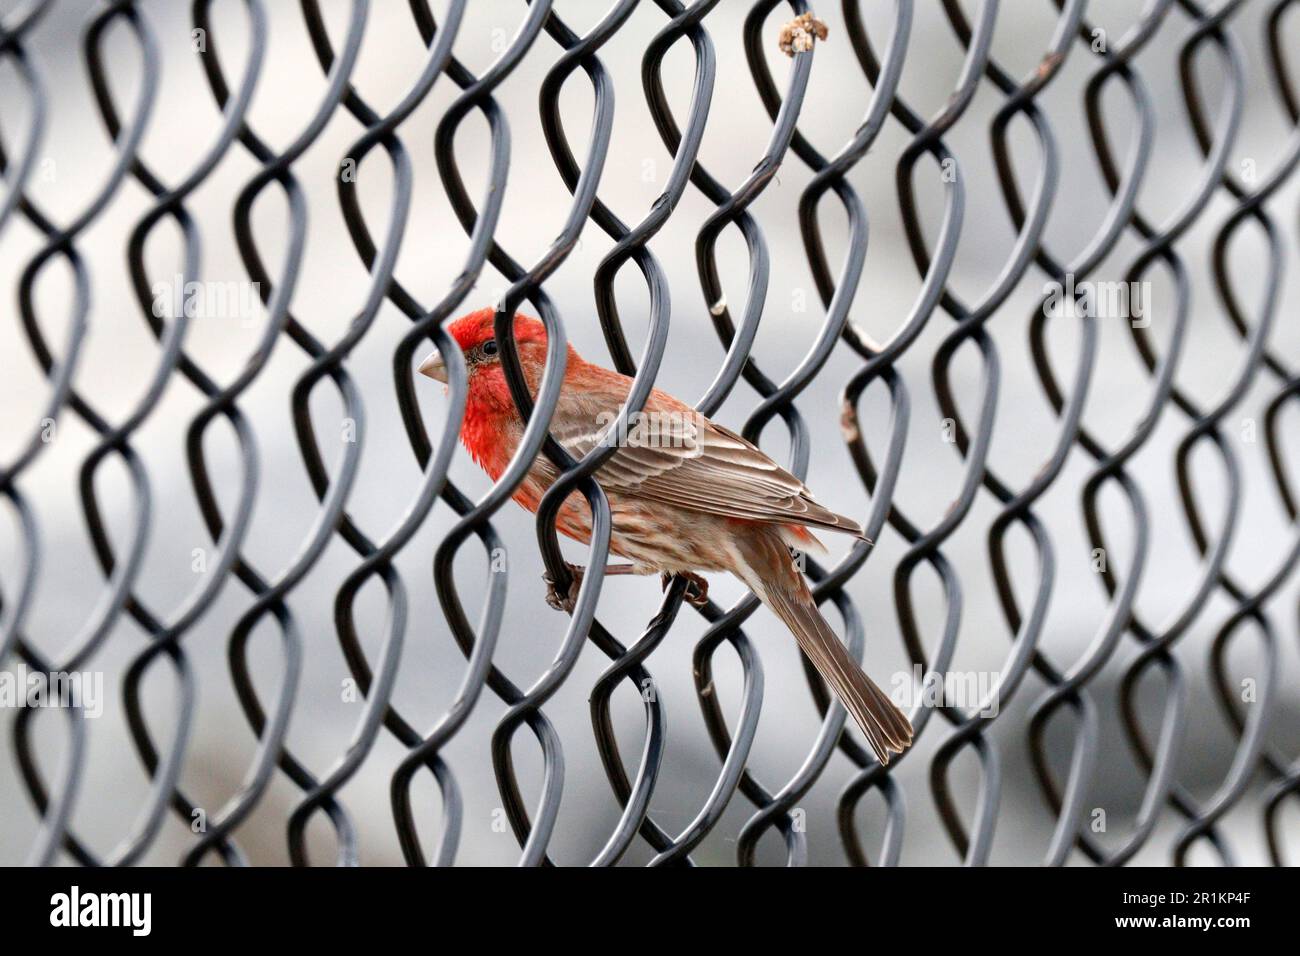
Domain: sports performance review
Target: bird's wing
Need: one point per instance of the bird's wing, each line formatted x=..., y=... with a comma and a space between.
x=678, y=457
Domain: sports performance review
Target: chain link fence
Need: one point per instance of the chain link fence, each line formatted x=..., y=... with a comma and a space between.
x=1010, y=283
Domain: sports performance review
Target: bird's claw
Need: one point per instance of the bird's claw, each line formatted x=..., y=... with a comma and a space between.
x=697, y=588
x=564, y=602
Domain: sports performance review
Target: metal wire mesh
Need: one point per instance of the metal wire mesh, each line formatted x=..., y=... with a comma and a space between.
x=1140, y=666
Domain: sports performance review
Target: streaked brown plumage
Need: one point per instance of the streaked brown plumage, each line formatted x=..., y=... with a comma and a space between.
x=686, y=495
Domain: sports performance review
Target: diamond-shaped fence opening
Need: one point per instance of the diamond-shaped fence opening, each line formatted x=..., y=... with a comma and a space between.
x=1011, y=284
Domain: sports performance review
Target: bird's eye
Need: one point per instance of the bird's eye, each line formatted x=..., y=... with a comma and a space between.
x=490, y=347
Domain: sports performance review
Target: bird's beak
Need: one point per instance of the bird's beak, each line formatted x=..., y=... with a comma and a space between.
x=434, y=367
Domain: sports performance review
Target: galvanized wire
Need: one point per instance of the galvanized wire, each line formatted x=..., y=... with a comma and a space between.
x=1069, y=699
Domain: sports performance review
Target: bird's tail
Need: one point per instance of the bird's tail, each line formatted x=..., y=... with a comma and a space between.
x=769, y=572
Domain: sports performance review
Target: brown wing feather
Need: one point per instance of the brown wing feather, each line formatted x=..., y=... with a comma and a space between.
x=679, y=457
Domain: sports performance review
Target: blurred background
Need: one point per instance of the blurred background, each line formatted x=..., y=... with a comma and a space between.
x=120, y=354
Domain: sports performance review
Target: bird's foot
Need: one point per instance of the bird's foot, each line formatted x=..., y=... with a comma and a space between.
x=567, y=601
x=697, y=588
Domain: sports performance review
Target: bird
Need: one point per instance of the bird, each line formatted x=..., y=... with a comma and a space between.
x=686, y=496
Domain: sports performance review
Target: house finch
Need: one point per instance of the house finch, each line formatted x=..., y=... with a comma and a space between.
x=686, y=495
